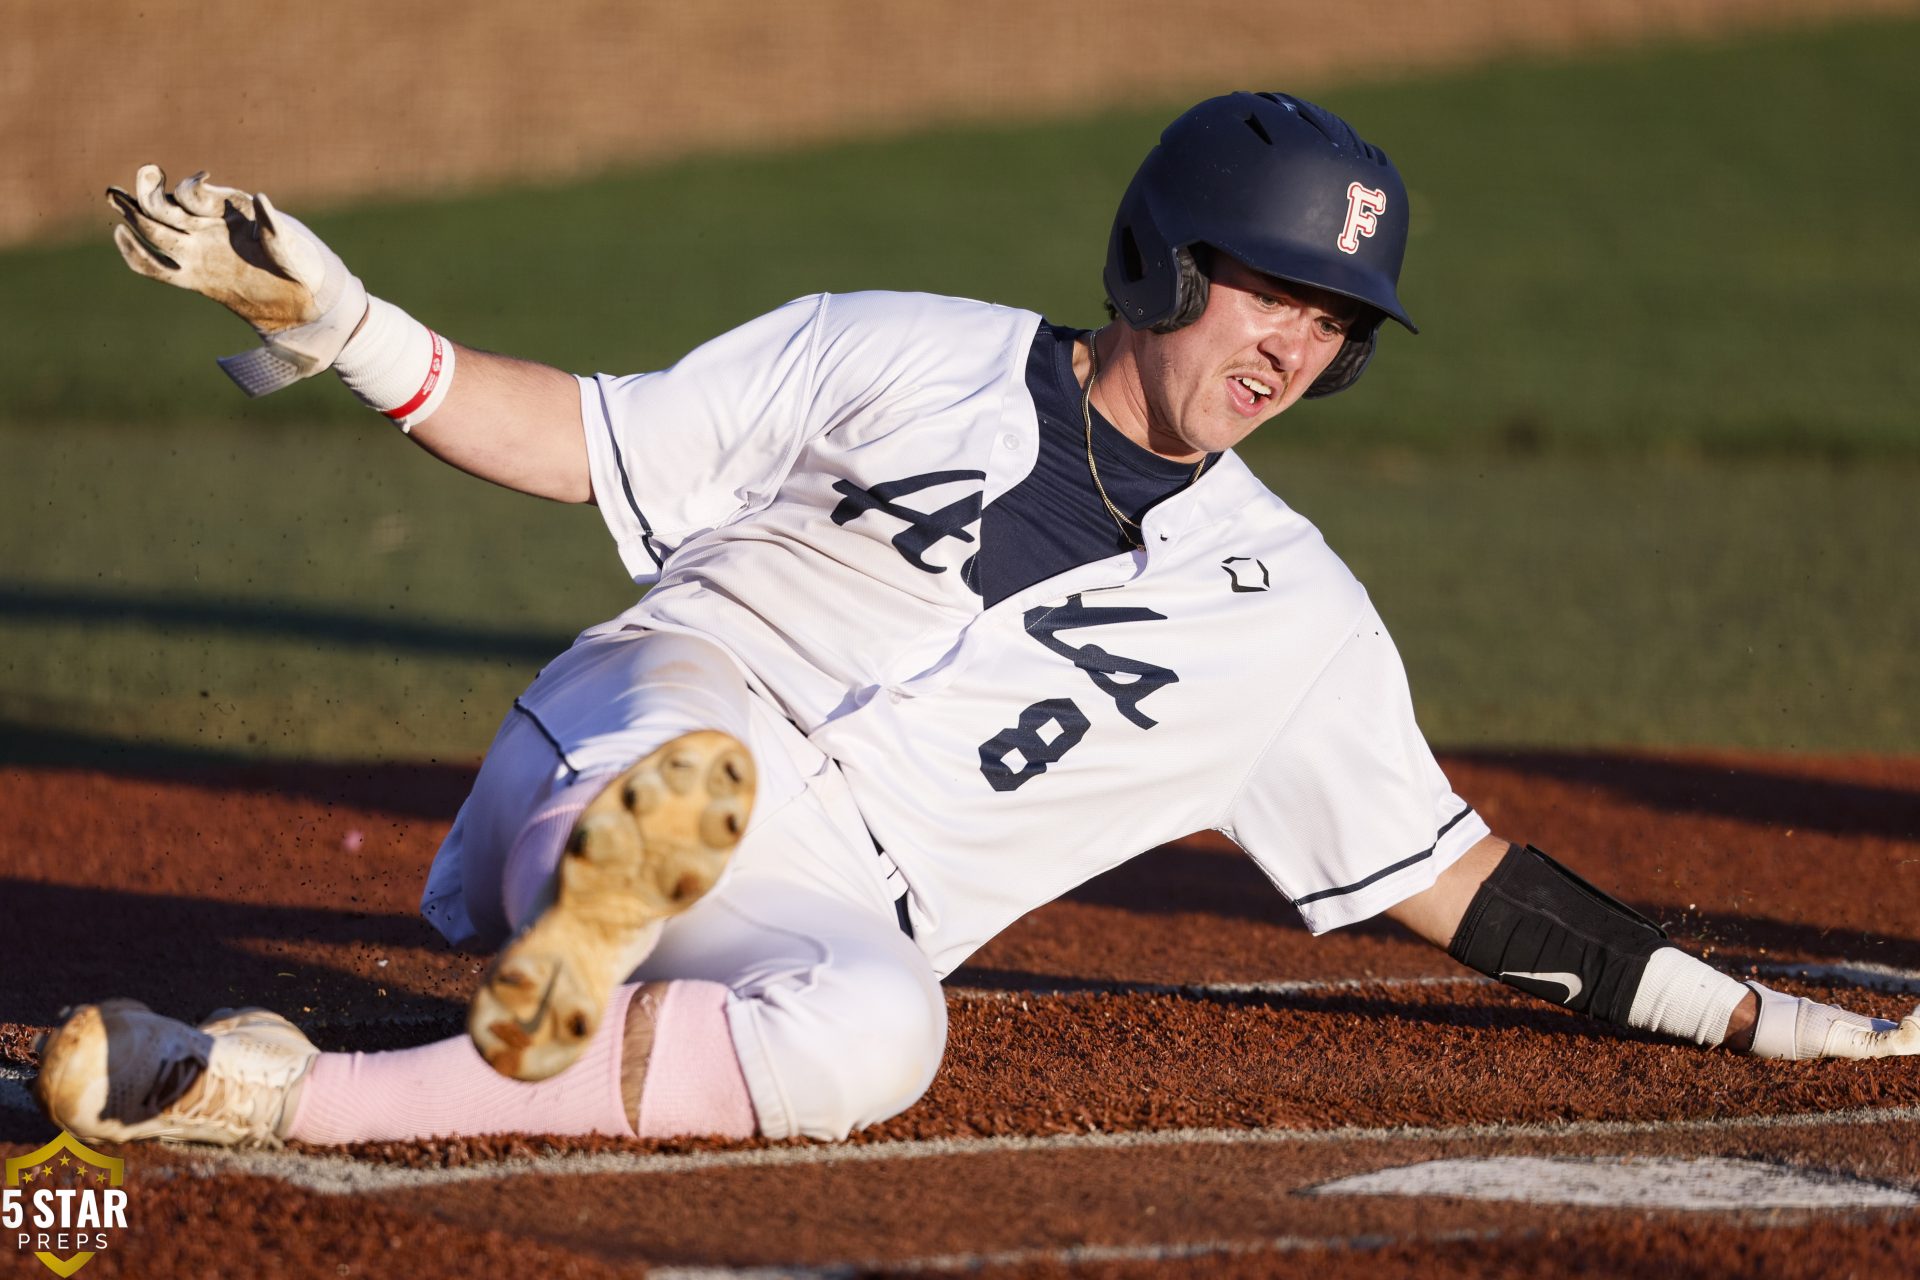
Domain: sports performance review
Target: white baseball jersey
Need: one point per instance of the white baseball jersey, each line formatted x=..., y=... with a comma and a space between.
x=807, y=491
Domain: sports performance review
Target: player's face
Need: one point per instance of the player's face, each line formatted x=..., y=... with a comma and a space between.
x=1255, y=350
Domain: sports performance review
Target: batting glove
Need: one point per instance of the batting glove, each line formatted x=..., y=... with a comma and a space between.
x=261, y=264
x=1795, y=1027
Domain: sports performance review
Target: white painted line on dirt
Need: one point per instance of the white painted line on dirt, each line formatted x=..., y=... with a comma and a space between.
x=1880, y=977
x=1278, y=987
x=342, y=1175
x=1873, y=976
x=1632, y=1182
x=15, y=1097
x=1066, y=1254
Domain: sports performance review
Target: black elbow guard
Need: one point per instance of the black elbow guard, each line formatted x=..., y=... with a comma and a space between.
x=1540, y=928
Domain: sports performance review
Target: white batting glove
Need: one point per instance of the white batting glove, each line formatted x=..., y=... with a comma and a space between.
x=1794, y=1027
x=261, y=264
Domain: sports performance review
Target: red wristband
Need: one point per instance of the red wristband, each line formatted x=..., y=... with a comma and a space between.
x=426, y=388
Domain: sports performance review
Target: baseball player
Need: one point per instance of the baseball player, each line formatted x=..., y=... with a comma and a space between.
x=951, y=610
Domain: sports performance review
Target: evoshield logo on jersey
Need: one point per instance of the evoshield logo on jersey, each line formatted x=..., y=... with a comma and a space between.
x=64, y=1203
x=1364, y=206
x=1244, y=573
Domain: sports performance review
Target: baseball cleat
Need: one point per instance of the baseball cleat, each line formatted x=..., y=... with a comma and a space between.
x=118, y=1072
x=647, y=847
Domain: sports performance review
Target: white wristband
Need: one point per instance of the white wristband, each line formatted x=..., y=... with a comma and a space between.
x=1685, y=998
x=397, y=365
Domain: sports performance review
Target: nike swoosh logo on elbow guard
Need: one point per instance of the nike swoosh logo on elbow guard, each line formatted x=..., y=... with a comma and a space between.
x=1571, y=981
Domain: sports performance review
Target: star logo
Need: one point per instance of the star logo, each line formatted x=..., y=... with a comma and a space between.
x=1244, y=573
x=65, y=1228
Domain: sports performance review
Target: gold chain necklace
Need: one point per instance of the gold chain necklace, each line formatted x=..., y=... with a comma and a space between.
x=1086, y=418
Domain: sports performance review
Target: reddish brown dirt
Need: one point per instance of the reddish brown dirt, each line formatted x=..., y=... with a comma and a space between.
x=196, y=889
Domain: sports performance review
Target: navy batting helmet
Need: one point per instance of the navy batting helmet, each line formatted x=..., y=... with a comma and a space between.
x=1282, y=185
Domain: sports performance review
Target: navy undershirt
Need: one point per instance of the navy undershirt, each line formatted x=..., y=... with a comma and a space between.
x=1053, y=520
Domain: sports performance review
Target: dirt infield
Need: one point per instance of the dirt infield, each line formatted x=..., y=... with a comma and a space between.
x=367, y=97
x=1161, y=1072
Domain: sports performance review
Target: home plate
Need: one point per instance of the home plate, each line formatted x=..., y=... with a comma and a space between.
x=1627, y=1182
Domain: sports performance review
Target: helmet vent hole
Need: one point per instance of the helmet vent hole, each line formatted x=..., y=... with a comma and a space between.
x=1253, y=123
x=1130, y=262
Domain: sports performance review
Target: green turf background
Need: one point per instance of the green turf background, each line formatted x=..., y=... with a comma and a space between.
x=1645, y=478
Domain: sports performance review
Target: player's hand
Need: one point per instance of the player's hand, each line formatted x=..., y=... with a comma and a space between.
x=1794, y=1027
x=261, y=264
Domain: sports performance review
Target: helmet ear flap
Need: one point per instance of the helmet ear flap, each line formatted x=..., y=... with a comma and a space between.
x=1189, y=292
x=1347, y=366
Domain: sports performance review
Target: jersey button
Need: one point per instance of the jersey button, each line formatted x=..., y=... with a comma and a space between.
x=1010, y=441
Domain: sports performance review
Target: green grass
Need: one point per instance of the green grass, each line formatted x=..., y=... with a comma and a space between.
x=1764, y=604
x=1646, y=477
x=1702, y=249
x=250, y=592
x=243, y=592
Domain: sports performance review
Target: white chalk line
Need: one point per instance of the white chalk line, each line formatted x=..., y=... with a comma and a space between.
x=1689, y=1183
x=342, y=1175
x=14, y=1095
x=1277, y=987
x=1879, y=977
x=1070, y=1255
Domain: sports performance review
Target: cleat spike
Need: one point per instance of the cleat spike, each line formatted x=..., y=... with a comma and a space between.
x=648, y=846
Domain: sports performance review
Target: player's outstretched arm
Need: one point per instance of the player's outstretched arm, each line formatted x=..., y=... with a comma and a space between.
x=1515, y=914
x=514, y=422
x=510, y=421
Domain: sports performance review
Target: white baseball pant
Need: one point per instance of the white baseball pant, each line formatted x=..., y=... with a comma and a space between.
x=837, y=1017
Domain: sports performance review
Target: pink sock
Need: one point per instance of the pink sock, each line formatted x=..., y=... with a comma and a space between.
x=447, y=1089
x=694, y=1084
